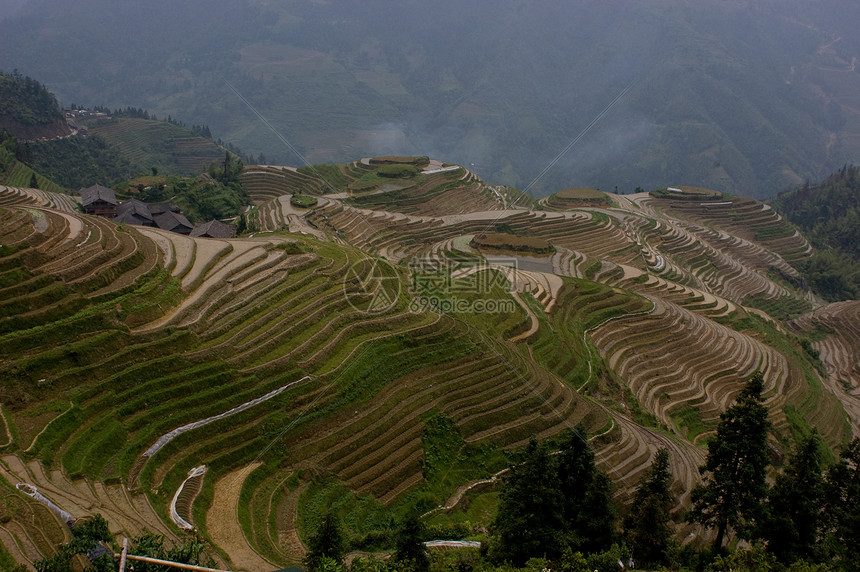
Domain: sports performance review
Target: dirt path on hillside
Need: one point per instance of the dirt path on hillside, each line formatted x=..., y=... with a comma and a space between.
x=222, y=522
x=534, y=321
x=162, y=242
x=76, y=225
x=8, y=440
x=288, y=534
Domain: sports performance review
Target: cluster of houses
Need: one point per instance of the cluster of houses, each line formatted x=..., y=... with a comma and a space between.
x=101, y=201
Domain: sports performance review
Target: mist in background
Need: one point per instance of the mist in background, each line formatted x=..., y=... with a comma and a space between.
x=750, y=98
x=9, y=7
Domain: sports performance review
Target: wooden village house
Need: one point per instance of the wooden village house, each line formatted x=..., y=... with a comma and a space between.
x=99, y=200
x=166, y=216
x=214, y=229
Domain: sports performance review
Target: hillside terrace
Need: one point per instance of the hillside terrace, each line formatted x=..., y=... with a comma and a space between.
x=273, y=331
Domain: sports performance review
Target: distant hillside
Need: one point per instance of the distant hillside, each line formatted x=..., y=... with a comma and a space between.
x=8, y=7
x=76, y=162
x=39, y=147
x=169, y=147
x=28, y=110
x=14, y=173
x=749, y=98
x=103, y=149
x=829, y=214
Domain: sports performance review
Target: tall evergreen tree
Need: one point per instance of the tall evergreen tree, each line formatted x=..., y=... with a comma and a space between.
x=842, y=508
x=529, y=521
x=736, y=466
x=586, y=495
x=646, y=526
x=596, y=524
x=411, y=552
x=327, y=542
x=791, y=524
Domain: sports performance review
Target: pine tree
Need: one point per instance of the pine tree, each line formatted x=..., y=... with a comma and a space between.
x=792, y=512
x=326, y=542
x=411, y=552
x=646, y=526
x=842, y=507
x=586, y=495
x=529, y=521
x=596, y=522
x=737, y=467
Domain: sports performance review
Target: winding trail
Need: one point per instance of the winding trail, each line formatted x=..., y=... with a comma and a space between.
x=6, y=428
x=535, y=325
x=174, y=515
x=461, y=491
x=222, y=522
x=168, y=437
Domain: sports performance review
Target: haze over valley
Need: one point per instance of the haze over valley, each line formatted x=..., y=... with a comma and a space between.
x=745, y=97
x=401, y=287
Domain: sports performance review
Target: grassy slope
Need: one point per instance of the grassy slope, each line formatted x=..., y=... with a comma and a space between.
x=14, y=173
x=400, y=407
x=170, y=148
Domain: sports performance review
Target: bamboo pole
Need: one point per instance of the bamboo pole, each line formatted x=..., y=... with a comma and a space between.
x=123, y=555
x=169, y=563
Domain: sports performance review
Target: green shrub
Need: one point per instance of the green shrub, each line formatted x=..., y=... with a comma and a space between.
x=397, y=171
x=303, y=201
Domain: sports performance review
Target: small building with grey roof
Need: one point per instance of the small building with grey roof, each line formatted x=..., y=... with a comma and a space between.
x=99, y=200
x=134, y=211
x=166, y=216
x=214, y=229
x=174, y=222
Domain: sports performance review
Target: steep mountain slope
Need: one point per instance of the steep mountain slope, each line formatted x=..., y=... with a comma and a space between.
x=168, y=147
x=41, y=147
x=304, y=363
x=746, y=97
x=28, y=110
x=829, y=215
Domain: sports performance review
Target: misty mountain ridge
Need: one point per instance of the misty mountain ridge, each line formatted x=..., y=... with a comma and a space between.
x=746, y=98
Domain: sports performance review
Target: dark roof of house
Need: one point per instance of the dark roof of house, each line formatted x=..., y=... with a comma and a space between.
x=214, y=229
x=95, y=193
x=131, y=218
x=171, y=221
x=159, y=208
x=134, y=207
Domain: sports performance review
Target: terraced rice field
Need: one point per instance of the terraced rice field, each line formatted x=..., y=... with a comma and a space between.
x=130, y=358
x=836, y=331
x=20, y=175
x=149, y=142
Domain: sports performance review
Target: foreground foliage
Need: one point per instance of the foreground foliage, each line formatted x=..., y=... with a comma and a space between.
x=792, y=514
x=736, y=467
x=646, y=527
x=550, y=503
